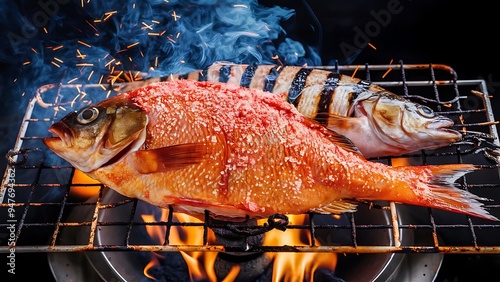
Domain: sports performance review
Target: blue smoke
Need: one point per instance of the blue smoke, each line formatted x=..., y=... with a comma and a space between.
x=51, y=41
x=81, y=41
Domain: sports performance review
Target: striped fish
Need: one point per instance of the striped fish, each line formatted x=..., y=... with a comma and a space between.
x=378, y=122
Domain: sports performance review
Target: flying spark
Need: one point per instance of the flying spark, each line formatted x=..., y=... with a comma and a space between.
x=84, y=44
x=132, y=45
x=176, y=17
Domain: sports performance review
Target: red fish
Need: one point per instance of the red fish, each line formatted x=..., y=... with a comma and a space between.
x=235, y=152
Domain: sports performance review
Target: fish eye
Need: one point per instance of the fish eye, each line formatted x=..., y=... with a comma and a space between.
x=87, y=115
x=425, y=111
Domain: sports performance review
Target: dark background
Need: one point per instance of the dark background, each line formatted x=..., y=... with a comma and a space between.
x=461, y=35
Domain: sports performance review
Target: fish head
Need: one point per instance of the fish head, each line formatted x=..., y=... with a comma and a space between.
x=98, y=134
x=403, y=124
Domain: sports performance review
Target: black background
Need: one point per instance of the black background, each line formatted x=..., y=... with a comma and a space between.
x=462, y=35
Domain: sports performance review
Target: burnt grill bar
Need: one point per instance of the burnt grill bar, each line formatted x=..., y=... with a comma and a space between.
x=44, y=183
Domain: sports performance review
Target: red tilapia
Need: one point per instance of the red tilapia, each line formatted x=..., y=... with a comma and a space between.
x=235, y=152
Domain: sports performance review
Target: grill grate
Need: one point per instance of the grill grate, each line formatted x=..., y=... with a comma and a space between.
x=41, y=192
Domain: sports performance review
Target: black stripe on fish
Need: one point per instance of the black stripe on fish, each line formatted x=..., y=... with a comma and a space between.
x=224, y=72
x=247, y=75
x=298, y=83
x=329, y=87
x=271, y=79
x=184, y=76
x=203, y=75
x=361, y=86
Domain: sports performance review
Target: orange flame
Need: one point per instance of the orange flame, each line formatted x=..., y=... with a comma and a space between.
x=86, y=186
x=296, y=266
x=287, y=266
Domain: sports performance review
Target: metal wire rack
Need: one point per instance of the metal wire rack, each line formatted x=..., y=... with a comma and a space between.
x=46, y=208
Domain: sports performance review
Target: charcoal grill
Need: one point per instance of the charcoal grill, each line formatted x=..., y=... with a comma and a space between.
x=44, y=199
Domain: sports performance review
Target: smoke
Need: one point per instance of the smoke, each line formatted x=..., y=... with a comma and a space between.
x=50, y=41
x=82, y=41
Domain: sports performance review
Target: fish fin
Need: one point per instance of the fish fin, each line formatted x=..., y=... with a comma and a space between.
x=339, y=139
x=441, y=191
x=168, y=158
x=337, y=207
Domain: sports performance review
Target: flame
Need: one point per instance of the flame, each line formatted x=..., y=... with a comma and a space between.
x=296, y=266
x=287, y=266
x=200, y=264
x=87, y=186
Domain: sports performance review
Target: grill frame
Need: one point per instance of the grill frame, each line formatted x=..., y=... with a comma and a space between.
x=436, y=77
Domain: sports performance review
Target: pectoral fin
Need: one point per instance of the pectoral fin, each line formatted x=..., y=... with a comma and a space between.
x=343, y=124
x=337, y=207
x=168, y=158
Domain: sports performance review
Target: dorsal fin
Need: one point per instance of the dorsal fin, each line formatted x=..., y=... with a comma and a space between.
x=168, y=158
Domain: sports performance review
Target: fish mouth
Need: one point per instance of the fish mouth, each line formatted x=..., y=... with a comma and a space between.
x=62, y=134
x=443, y=125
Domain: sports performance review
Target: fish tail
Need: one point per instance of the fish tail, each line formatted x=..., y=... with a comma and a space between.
x=440, y=191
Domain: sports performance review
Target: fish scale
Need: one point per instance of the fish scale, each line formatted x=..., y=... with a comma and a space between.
x=238, y=152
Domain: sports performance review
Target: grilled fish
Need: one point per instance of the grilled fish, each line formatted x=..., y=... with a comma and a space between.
x=378, y=122
x=235, y=152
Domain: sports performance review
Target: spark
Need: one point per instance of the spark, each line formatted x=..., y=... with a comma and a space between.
x=108, y=63
x=177, y=35
x=176, y=17
x=153, y=34
x=155, y=21
x=74, y=99
x=171, y=40
x=90, y=75
x=55, y=64
x=85, y=65
x=132, y=45
x=102, y=86
x=80, y=55
x=84, y=44
x=100, y=79
x=116, y=77
x=62, y=108
x=59, y=60
x=109, y=14
x=133, y=6
x=355, y=71
x=156, y=62
x=91, y=25
x=34, y=51
x=15, y=79
x=240, y=6
x=45, y=29
x=371, y=45
x=162, y=33
x=389, y=70
x=146, y=26
x=107, y=95
x=57, y=48
x=130, y=58
x=26, y=63
x=72, y=80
